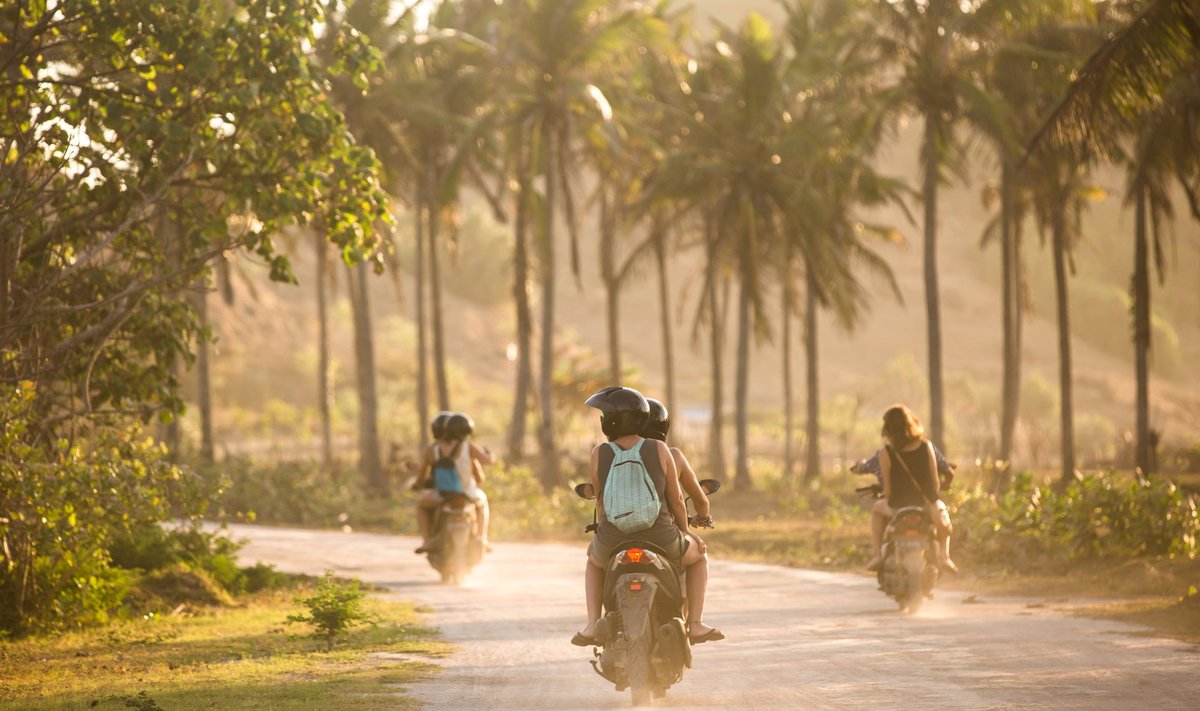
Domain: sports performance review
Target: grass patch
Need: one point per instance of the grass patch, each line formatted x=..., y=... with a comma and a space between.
x=234, y=658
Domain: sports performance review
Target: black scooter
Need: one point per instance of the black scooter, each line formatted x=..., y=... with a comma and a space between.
x=454, y=548
x=642, y=636
x=909, y=569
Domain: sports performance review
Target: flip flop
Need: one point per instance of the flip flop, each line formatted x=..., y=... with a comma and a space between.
x=581, y=641
x=713, y=635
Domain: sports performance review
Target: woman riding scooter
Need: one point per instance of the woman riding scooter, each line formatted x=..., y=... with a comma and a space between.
x=910, y=478
x=624, y=413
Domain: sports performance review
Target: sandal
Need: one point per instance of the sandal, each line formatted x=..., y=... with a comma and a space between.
x=579, y=640
x=713, y=635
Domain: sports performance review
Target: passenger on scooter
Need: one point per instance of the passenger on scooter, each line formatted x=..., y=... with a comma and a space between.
x=909, y=469
x=624, y=412
x=658, y=425
x=469, y=460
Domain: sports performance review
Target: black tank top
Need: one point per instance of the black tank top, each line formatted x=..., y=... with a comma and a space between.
x=904, y=489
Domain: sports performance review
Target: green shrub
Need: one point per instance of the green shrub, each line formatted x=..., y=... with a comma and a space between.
x=1094, y=517
x=59, y=508
x=333, y=609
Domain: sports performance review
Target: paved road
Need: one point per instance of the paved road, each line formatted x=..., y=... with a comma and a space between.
x=797, y=639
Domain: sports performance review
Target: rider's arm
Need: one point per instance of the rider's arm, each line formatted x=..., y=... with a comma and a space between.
x=885, y=468
x=426, y=465
x=595, y=477
x=691, y=484
x=477, y=469
x=673, y=491
x=482, y=454
x=937, y=482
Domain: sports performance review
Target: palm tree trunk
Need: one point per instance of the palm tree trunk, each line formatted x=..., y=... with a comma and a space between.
x=716, y=449
x=1010, y=389
x=203, y=373
x=664, y=301
x=1141, y=332
x=516, y=427
x=742, y=474
x=812, y=464
x=435, y=287
x=364, y=358
x=789, y=464
x=549, y=463
x=324, y=362
x=1064, y=350
x=422, y=329
x=608, y=273
x=931, y=160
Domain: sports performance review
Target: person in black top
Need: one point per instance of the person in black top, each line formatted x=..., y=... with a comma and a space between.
x=909, y=469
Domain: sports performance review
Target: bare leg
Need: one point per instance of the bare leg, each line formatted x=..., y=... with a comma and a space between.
x=697, y=584
x=879, y=521
x=423, y=523
x=593, y=587
x=483, y=520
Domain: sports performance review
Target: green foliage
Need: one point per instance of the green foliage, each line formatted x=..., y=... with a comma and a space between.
x=522, y=509
x=333, y=609
x=61, y=507
x=1096, y=516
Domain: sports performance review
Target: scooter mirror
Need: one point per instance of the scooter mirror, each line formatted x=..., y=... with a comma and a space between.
x=585, y=491
x=710, y=486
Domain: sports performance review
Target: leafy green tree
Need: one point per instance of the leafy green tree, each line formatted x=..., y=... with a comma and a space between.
x=125, y=115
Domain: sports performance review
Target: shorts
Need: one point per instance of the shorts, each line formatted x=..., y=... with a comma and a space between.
x=477, y=496
x=675, y=550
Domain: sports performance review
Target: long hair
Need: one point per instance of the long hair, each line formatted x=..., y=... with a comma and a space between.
x=901, y=427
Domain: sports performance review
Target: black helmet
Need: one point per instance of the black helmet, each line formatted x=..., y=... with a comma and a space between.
x=658, y=424
x=623, y=411
x=438, y=426
x=459, y=426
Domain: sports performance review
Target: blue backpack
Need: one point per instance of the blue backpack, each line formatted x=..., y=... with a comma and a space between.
x=445, y=473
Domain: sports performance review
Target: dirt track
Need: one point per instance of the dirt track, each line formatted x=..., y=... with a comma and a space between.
x=796, y=639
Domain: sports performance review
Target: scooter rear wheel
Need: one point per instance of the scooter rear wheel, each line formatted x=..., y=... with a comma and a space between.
x=641, y=688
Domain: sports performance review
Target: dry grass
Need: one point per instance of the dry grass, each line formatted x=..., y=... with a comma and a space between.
x=243, y=658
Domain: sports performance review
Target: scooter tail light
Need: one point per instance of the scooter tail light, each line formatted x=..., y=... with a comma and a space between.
x=634, y=555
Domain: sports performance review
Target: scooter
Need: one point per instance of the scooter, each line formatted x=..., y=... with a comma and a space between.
x=642, y=636
x=909, y=570
x=455, y=548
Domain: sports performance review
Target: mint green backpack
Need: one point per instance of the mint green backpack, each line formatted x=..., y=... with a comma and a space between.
x=630, y=501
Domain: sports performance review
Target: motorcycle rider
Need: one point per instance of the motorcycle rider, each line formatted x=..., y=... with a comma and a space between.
x=624, y=412
x=658, y=425
x=455, y=429
x=909, y=470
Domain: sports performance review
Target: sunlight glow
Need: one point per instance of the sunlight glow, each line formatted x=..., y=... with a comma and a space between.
x=601, y=101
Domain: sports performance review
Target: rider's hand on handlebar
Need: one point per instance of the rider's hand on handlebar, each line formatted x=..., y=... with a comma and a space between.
x=701, y=521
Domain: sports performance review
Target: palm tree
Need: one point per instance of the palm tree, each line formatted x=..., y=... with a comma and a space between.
x=552, y=54
x=833, y=72
x=1143, y=83
x=938, y=46
x=1029, y=45
x=738, y=161
x=324, y=361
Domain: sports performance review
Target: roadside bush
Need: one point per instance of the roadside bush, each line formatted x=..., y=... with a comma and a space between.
x=522, y=509
x=1094, y=517
x=59, y=508
x=333, y=609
